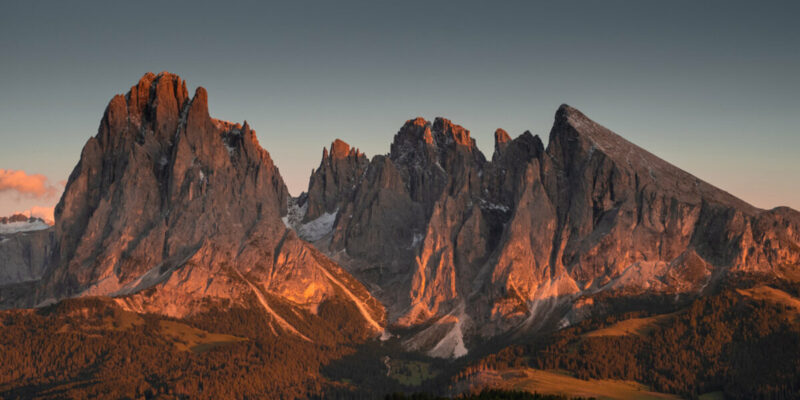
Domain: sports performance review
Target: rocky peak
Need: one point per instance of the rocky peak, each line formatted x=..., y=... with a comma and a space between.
x=160, y=178
x=577, y=143
x=420, y=143
x=501, y=139
x=441, y=133
x=446, y=132
x=167, y=198
x=154, y=91
x=340, y=149
x=335, y=179
x=155, y=104
x=415, y=126
x=413, y=143
x=417, y=129
x=575, y=137
x=518, y=152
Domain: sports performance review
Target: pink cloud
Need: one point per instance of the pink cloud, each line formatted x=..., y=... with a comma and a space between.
x=35, y=185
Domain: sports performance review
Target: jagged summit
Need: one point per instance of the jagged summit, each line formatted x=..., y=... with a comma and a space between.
x=447, y=132
x=167, y=200
x=159, y=155
x=340, y=149
x=470, y=247
x=501, y=139
x=420, y=142
x=158, y=99
x=334, y=179
x=441, y=133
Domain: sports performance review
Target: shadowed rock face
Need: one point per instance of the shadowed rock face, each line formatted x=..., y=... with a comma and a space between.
x=166, y=197
x=334, y=182
x=25, y=256
x=26, y=244
x=480, y=247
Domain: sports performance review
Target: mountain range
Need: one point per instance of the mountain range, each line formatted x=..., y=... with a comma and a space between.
x=433, y=247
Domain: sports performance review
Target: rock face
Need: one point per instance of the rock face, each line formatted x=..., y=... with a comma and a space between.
x=26, y=244
x=166, y=197
x=174, y=212
x=25, y=255
x=335, y=180
x=472, y=248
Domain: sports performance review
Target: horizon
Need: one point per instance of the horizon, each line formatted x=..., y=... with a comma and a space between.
x=711, y=90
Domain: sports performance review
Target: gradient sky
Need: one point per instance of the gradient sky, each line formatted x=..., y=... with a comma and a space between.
x=712, y=87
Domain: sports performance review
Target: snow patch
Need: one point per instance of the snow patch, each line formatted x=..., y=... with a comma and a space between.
x=294, y=214
x=417, y=239
x=493, y=206
x=23, y=226
x=318, y=228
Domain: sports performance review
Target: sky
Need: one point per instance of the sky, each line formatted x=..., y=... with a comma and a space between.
x=710, y=86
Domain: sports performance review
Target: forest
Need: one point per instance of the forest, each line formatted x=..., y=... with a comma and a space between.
x=743, y=346
x=91, y=348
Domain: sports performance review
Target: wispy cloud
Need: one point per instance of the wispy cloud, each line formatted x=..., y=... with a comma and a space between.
x=35, y=185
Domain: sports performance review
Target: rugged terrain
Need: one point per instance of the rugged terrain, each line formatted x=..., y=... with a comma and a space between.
x=167, y=198
x=473, y=248
x=397, y=272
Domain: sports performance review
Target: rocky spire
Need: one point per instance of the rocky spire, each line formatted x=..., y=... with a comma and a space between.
x=334, y=180
x=340, y=149
x=413, y=142
x=501, y=139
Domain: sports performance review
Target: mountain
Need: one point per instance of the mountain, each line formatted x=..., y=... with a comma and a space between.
x=173, y=212
x=25, y=246
x=471, y=249
x=179, y=266
x=21, y=223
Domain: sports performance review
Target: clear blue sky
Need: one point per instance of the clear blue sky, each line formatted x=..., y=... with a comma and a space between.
x=712, y=87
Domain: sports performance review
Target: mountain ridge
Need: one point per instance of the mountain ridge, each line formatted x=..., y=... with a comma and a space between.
x=179, y=265
x=565, y=201
x=431, y=237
